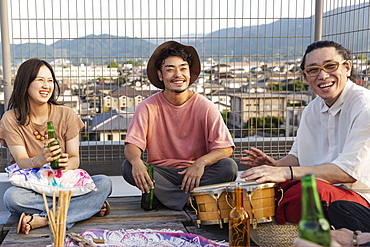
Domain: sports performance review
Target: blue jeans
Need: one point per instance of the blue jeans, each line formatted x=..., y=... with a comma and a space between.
x=19, y=200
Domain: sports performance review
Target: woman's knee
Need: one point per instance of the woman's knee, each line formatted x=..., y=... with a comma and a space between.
x=11, y=197
x=102, y=182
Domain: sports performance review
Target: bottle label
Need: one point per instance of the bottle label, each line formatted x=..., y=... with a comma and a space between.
x=238, y=234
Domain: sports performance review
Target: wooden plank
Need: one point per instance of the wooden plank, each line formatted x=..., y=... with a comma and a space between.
x=125, y=214
x=138, y=225
x=37, y=237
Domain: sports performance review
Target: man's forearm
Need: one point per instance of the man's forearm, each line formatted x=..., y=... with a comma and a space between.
x=214, y=156
x=132, y=153
x=289, y=160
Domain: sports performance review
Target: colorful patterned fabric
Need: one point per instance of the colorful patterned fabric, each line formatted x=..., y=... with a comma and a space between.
x=145, y=238
x=46, y=179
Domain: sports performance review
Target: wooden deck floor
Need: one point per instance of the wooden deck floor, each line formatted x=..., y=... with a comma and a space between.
x=125, y=214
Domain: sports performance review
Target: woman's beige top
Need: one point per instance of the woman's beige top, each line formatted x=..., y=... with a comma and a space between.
x=67, y=125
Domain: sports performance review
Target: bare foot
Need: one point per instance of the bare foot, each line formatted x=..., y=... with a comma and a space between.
x=29, y=222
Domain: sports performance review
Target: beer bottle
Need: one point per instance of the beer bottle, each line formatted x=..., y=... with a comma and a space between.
x=51, y=134
x=151, y=194
x=239, y=223
x=313, y=225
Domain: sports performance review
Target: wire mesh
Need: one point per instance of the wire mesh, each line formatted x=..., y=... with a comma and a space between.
x=250, y=53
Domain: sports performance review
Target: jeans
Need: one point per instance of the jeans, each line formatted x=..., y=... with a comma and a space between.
x=19, y=200
x=167, y=188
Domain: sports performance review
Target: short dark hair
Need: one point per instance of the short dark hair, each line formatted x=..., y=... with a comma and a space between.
x=176, y=51
x=344, y=52
x=26, y=74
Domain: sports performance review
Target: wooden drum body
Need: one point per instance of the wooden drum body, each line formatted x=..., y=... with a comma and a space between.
x=212, y=204
x=258, y=200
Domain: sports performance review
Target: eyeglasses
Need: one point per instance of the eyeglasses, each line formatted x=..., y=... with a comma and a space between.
x=327, y=67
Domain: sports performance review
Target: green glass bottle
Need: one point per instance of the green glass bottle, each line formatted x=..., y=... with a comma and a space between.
x=313, y=225
x=239, y=223
x=51, y=134
x=151, y=195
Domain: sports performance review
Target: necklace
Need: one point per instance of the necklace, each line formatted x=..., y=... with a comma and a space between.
x=37, y=134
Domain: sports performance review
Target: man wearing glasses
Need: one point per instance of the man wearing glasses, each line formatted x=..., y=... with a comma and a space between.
x=333, y=139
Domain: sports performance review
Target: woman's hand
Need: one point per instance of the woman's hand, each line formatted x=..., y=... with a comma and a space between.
x=52, y=153
x=257, y=158
x=63, y=162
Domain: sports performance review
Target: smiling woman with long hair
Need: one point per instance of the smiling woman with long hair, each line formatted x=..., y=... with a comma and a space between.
x=23, y=131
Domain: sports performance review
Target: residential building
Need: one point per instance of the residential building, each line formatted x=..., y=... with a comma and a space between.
x=245, y=106
x=82, y=74
x=110, y=126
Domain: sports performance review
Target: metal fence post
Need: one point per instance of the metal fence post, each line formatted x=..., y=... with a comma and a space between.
x=318, y=19
x=7, y=76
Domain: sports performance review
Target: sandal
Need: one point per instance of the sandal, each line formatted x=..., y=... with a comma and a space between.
x=21, y=219
x=107, y=207
x=106, y=212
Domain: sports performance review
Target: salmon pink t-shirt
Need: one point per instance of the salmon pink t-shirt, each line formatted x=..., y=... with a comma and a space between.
x=176, y=136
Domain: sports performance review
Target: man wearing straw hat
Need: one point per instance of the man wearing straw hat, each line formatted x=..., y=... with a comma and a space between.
x=183, y=133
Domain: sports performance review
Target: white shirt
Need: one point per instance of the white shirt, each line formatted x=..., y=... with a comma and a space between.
x=339, y=135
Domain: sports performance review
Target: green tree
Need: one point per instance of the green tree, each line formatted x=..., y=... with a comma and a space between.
x=269, y=125
x=296, y=86
x=362, y=57
x=276, y=86
x=113, y=64
x=121, y=80
x=225, y=115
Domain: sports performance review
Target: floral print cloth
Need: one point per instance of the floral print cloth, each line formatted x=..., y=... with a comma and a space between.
x=145, y=238
x=46, y=179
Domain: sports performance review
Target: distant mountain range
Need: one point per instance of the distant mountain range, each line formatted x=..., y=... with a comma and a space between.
x=285, y=37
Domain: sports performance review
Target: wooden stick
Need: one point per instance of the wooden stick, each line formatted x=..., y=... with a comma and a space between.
x=63, y=221
x=59, y=219
x=52, y=224
x=48, y=212
x=54, y=201
x=65, y=213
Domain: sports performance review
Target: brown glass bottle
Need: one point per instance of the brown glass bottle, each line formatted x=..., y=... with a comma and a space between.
x=313, y=225
x=51, y=134
x=239, y=223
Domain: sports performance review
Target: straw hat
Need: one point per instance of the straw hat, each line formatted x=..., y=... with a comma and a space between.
x=152, y=70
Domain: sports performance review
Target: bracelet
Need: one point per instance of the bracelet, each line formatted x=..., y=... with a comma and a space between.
x=354, y=238
x=33, y=166
x=291, y=173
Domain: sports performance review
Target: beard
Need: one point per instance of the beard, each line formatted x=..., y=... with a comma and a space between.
x=178, y=90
